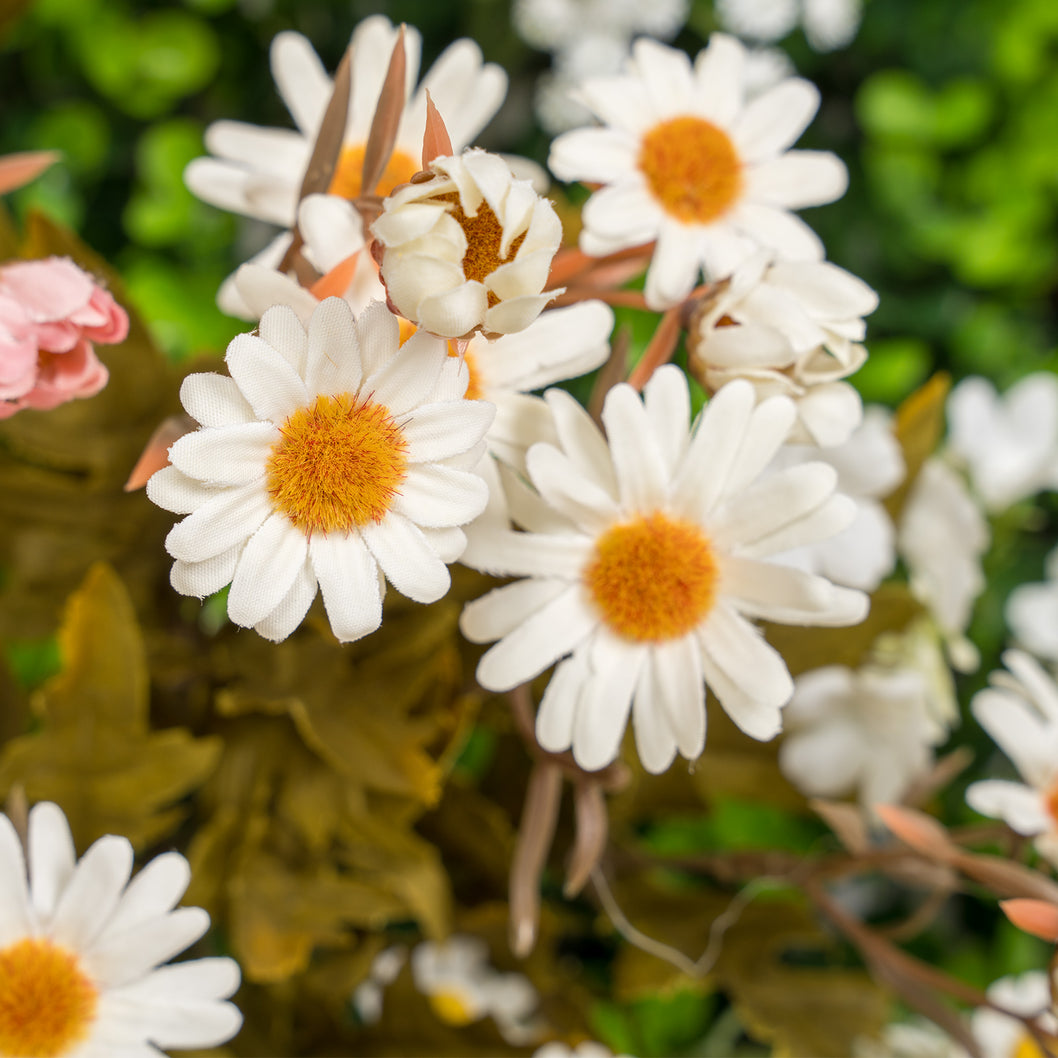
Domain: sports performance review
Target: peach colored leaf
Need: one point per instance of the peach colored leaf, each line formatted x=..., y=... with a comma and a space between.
x=383, y=134
x=436, y=143
x=17, y=170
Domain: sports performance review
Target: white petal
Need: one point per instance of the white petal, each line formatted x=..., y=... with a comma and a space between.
x=259, y=288
x=502, y=610
x=680, y=691
x=51, y=858
x=1019, y=806
x=301, y=79
x=824, y=761
x=562, y=485
x=173, y=491
x=602, y=713
x=558, y=707
x=92, y=893
x=123, y=957
x=221, y=523
x=719, y=76
x=348, y=578
x=290, y=612
x=267, y=568
x=156, y=890
x=435, y=496
x=637, y=457
x=225, y=455
x=407, y=560
x=332, y=228
x=668, y=404
x=774, y=120
x=406, y=380
x=581, y=439
x=443, y=430
x=674, y=267
x=200, y=579
x=282, y=329
x=655, y=742
x=332, y=361
x=214, y=400
x=798, y=179
x=273, y=388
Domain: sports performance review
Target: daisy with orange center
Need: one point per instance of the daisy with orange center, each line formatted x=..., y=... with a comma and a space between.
x=1020, y=712
x=333, y=460
x=81, y=949
x=469, y=248
x=258, y=171
x=686, y=160
x=645, y=558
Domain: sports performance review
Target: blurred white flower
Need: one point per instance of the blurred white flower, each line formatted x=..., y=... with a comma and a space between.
x=1003, y=1037
x=462, y=987
x=828, y=24
x=686, y=161
x=1032, y=613
x=468, y=248
x=1020, y=712
x=1009, y=443
x=869, y=466
x=368, y=995
x=909, y=1039
x=942, y=536
x=585, y=1049
x=788, y=328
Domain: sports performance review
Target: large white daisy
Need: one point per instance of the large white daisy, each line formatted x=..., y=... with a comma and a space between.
x=687, y=161
x=336, y=458
x=644, y=559
x=82, y=948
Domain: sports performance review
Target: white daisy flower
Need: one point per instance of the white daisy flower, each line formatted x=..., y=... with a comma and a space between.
x=686, y=161
x=1003, y=1037
x=462, y=987
x=258, y=172
x=869, y=465
x=870, y=731
x=1009, y=443
x=942, y=536
x=469, y=248
x=336, y=458
x=788, y=328
x=1020, y=712
x=82, y=948
x=828, y=24
x=584, y=1049
x=909, y=1039
x=1032, y=613
x=643, y=557
x=368, y=995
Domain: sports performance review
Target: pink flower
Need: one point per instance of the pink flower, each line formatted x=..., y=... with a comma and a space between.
x=50, y=314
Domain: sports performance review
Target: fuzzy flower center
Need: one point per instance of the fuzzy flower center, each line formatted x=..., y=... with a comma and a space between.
x=653, y=578
x=338, y=464
x=692, y=169
x=399, y=170
x=484, y=234
x=1027, y=1047
x=453, y=1007
x=47, y=1003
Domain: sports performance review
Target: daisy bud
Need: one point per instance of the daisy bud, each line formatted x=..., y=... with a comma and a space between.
x=467, y=248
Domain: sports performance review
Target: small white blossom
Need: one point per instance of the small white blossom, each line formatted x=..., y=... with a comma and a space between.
x=1032, y=613
x=1001, y=1037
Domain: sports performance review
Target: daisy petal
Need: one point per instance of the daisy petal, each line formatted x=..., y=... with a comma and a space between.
x=407, y=560
x=200, y=579
x=637, y=457
x=602, y=712
x=558, y=707
x=51, y=857
x=266, y=571
x=266, y=379
x=290, y=612
x=224, y=521
x=92, y=893
x=348, y=579
x=655, y=742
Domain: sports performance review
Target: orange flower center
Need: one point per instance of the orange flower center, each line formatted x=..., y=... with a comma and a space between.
x=338, y=464
x=399, y=170
x=484, y=234
x=453, y=1008
x=652, y=579
x=47, y=1002
x=1027, y=1047
x=692, y=169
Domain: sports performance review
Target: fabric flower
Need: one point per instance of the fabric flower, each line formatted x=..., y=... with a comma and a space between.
x=51, y=312
x=1009, y=443
x=869, y=466
x=1020, y=712
x=462, y=988
x=869, y=730
x=332, y=459
x=644, y=559
x=788, y=328
x=942, y=536
x=1001, y=1037
x=468, y=248
x=82, y=948
x=685, y=160
x=1032, y=613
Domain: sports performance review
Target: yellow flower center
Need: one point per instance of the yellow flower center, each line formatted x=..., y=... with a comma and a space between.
x=1027, y=1047
x=692, y=169
x=47, y=1003
x=399, y=170
x=338, y=464
x=453, y=1008
x=652, y=579
x=484, y=234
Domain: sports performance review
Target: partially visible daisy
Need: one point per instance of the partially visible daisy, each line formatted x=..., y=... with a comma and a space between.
x=1001, y=1037
x=828, y=24
x=1020, y=712
x=1009, y=443
x=334, y=459
x=870, y=731
x=942, y=536
x=909, y=1039
x=585, y=1049
x=869, y=466
x=462, y=987
x=82, y=948
x=258, y=172
x=368, y=995
x=1032, y=613
x=788, y=328
x=687, y=161
x=645, y=559
x=469, y=248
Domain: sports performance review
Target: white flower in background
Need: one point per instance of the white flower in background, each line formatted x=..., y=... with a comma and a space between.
x=1032, y=613
x=919, y=646
x=645, y=560
x=765, y=68
x=869, y=466
x=82, y=948
x=462, y=987
x=586, y=1049
x=1020, y=712
x=258, y=171
x=368, y=995
x=1001, y=1037
x=828, y=24
x=942, y=536
x=790, y=328
x=469, y=248
x=685, y=160
x=1009, y=443
x=336, y=459
x=870, y=731
x=910, y=1039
